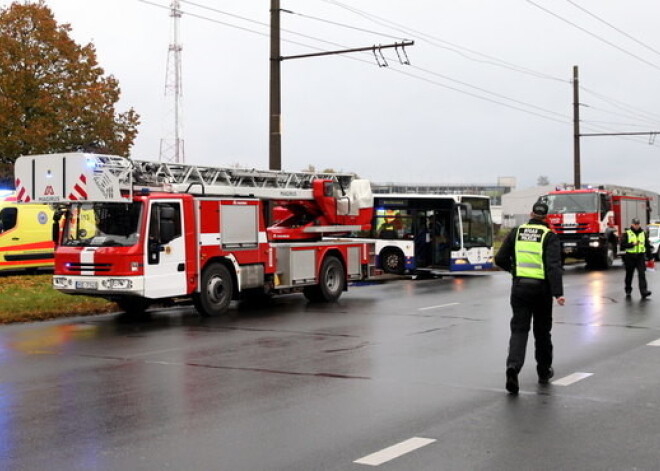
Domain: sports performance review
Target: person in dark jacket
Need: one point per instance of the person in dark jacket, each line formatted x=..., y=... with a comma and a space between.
x=532, y=254
x=637, y=249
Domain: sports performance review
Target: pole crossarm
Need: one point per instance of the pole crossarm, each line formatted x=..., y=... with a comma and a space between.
x=374, y=48
x=646, y=133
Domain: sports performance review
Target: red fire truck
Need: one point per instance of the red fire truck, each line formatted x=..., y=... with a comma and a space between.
x=138, y=232
x=590, y=221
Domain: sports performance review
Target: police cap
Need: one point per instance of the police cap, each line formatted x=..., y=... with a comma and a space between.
x=540, y=209
x=635, y=221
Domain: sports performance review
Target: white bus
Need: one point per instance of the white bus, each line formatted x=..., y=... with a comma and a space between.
x=432, y=233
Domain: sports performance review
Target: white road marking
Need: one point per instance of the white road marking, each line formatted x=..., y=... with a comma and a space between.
x=655, y=343
x=570, y=379
x=437, y=307
x=394, y=451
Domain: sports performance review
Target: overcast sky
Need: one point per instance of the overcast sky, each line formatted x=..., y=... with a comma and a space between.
x=487, y=94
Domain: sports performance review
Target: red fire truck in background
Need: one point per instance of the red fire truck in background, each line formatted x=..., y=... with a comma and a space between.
x=138, y=232
x=590, y=221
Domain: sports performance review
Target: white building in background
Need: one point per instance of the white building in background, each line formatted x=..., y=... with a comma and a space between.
x=517, y=205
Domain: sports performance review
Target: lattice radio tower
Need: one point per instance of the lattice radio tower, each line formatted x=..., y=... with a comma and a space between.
x=171, y=146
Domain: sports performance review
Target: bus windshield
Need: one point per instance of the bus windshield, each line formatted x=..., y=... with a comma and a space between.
x=478, y=229
x=571, y=203
x=102, y=224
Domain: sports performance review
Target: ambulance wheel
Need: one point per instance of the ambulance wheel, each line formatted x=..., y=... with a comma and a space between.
x=332, y=280
x=133, y=306
x=216, y=292
x=392, y=261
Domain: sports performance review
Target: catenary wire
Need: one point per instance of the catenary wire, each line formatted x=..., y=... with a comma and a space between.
x=618, y=30
x=417, y=77
x=593, y=35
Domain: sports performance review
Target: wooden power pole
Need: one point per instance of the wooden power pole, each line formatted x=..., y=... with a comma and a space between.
x=576, y=129
x=275, y=142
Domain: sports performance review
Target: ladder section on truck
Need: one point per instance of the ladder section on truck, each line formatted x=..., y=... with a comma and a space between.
x=91, y=177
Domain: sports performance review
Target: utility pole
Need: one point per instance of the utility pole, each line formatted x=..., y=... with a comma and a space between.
x=275, y=142
x=576, y=129
x=171, y=146
x=275, y=127
x=577, y=135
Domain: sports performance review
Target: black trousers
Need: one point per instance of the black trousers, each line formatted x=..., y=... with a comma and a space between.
x=531, y=301
x=632, y=262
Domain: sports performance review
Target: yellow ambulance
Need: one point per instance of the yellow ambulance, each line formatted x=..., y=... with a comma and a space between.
x=25, y=235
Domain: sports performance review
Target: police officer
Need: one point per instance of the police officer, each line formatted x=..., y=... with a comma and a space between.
x=637, y=249
x=532, y=254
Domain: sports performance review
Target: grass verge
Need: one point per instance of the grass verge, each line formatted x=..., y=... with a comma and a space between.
x=27, y=298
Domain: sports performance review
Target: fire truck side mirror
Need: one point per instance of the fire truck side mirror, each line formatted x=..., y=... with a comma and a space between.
x=57, y=215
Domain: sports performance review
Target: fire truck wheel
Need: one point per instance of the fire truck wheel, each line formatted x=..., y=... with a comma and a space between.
x=332, y=280
x=392, y=261
x=133, y=306
x=216, y=291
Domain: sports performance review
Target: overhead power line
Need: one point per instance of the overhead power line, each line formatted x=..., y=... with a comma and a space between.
x=618, y=30
x=477, y=93
x=434, y=40
x=594, y=35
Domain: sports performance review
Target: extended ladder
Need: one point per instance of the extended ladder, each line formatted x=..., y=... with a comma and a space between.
x=58, y=178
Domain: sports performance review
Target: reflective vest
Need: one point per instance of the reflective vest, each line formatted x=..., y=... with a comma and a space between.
x=632, y=238
x=529, y=251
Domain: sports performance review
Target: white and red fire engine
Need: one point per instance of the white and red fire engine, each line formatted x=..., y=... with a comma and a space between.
x=590, y=221
x=138, y=232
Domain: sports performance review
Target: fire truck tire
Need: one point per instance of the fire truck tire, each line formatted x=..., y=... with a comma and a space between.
x=133, y=306
x=332, y=280
x=217, y=290
x=392, y=261
x=608, y=256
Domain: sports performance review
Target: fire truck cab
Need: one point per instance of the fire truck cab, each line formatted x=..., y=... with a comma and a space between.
x=590, y=221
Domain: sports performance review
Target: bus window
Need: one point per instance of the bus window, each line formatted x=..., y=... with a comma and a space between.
x=393, y=224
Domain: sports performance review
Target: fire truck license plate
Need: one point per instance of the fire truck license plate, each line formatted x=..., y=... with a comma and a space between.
x=87, y=285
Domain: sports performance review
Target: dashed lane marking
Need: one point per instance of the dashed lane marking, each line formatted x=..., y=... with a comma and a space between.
x=437, y=307
x=655, y=343
x=394, y=451
x=570, y=379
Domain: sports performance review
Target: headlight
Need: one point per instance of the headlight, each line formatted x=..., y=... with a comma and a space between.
x=594, y=243
x=117, y=283
x=461, y=261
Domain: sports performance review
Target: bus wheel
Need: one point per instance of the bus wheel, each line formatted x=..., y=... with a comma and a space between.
x=332, y=280
x=217, y=289
x=392, y=261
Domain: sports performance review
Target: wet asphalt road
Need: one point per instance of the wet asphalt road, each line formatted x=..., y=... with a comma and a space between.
x=297, y=386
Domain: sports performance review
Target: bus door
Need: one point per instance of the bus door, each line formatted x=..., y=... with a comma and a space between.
x=440, y=227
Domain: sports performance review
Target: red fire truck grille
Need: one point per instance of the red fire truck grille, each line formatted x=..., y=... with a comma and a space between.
x=581, y=227
x=83, y=267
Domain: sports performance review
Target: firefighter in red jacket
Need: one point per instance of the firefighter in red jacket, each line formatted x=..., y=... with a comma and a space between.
x=637, y=249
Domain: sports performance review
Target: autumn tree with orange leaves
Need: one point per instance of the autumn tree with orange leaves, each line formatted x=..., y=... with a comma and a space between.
x=54, y=97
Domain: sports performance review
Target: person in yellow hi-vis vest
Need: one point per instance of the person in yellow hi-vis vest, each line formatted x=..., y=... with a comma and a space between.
x=532, y=254
x=637, y=249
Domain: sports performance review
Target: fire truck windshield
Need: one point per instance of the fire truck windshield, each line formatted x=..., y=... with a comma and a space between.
x=102, y=225
x=572, y=203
